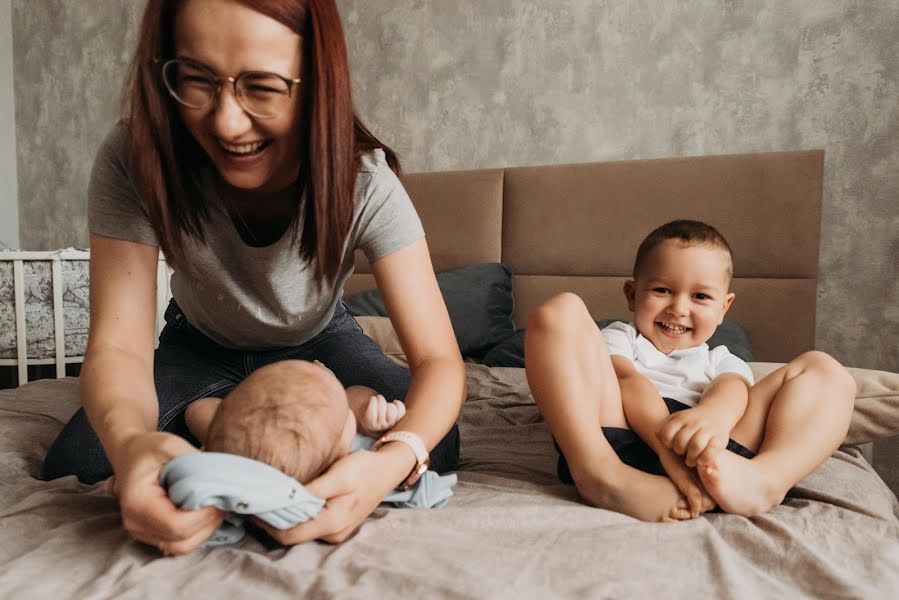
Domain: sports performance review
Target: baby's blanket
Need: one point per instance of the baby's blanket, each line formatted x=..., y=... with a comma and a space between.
x=242, y=486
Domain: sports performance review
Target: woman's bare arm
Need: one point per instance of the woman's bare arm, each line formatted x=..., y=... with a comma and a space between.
x=119, y=396
x=117, y=377
x=416, y=308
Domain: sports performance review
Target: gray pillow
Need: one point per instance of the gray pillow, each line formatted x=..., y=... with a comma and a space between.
x=478, y=299
x=510, y=352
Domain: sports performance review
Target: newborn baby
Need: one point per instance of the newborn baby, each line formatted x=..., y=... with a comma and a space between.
x=293, y=415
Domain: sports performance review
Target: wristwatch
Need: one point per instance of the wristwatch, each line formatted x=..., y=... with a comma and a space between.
x=422, y=460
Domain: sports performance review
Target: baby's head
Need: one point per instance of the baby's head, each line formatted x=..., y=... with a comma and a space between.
x=680, y=290
x=292, y=415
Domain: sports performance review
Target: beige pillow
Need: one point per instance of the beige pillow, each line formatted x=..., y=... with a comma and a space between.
x=380, y=329
x=876, y=414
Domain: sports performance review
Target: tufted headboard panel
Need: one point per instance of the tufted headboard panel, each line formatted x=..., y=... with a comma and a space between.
x=577, y=227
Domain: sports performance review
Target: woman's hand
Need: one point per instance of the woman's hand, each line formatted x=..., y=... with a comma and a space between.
x=353, y=488
x=147, y=513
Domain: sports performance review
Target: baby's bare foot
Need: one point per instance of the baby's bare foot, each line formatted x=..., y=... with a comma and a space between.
x=640, y=495
x=739, y=485
x=687, y=481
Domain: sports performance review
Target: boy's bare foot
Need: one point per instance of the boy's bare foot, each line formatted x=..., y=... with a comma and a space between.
x=687, y=481
x=739, y=485
x=111, y=487
x=640, y=495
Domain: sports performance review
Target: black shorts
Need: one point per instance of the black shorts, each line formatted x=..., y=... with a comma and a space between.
x=634, y=452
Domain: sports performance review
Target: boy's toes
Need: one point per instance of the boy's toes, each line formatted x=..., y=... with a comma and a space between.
x=111, y=486
x=696, y=501
x=679, y=513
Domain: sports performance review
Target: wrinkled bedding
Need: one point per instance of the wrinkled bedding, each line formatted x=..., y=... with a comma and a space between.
x=511, y=530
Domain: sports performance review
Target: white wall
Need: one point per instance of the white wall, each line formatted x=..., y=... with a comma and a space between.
x=9, y=196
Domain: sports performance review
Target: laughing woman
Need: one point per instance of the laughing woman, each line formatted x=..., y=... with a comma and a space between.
x=242, y=159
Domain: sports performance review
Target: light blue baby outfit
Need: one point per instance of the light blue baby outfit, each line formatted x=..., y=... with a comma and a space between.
x=243, y=486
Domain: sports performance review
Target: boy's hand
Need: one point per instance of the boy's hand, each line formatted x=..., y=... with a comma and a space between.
x=693, y=431
x=381, y=415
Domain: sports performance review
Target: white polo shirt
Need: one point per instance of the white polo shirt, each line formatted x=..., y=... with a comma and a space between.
x=682, y=375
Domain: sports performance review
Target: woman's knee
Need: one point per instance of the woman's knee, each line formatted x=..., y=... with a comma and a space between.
x=445, y=455
x=76, y=451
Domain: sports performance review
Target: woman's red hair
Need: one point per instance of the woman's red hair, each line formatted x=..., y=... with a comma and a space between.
x=166, y=159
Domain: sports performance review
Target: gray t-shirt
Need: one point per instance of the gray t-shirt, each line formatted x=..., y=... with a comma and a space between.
x=242, y=296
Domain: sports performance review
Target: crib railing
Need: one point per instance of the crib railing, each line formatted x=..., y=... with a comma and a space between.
x=18, y=259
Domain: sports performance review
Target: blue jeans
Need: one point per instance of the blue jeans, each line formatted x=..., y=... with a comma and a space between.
x=188, y=366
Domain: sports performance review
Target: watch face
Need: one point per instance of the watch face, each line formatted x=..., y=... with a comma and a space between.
x=416, y=473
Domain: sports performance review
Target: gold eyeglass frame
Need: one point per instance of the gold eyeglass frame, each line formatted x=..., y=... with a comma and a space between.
x=220, y=82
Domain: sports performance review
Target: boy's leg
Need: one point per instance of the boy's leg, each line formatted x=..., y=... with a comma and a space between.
x=796, y=417
x=575, y=387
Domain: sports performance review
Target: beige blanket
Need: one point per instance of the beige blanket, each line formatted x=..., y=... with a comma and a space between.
x=511, y=531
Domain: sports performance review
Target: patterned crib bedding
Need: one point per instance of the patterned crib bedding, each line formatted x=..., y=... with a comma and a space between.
x=39, y=323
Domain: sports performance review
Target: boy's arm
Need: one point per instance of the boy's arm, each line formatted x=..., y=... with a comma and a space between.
x=707, y=427
x=644, y=408
x=727, y=396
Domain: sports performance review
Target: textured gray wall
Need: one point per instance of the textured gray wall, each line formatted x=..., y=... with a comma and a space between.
x=70, y=60
x=485, y=83
x=9, y=199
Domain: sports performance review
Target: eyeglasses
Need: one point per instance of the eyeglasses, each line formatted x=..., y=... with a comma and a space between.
x=262, y=94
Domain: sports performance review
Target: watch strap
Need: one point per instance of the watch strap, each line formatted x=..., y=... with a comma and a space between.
x=416, y=444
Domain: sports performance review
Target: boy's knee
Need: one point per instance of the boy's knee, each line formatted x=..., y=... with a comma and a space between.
x=828, y=367
x=563, y=311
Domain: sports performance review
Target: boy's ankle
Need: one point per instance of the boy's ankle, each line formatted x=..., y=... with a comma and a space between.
x=594, y=473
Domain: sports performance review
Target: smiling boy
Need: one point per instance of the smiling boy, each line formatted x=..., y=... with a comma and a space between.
x=651, y=422
x=679, y=396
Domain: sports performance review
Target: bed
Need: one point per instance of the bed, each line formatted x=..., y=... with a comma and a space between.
x=511, y=529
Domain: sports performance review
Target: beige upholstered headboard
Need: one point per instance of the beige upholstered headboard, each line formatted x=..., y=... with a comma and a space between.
x=577, y=227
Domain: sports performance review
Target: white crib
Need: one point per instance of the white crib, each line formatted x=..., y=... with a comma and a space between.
x=19, y=259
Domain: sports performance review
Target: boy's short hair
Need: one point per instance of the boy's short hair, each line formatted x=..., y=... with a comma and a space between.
x=689, y=233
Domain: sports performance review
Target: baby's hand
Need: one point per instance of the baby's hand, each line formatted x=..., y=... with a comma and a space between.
x=381, y=415
x=692, y=432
